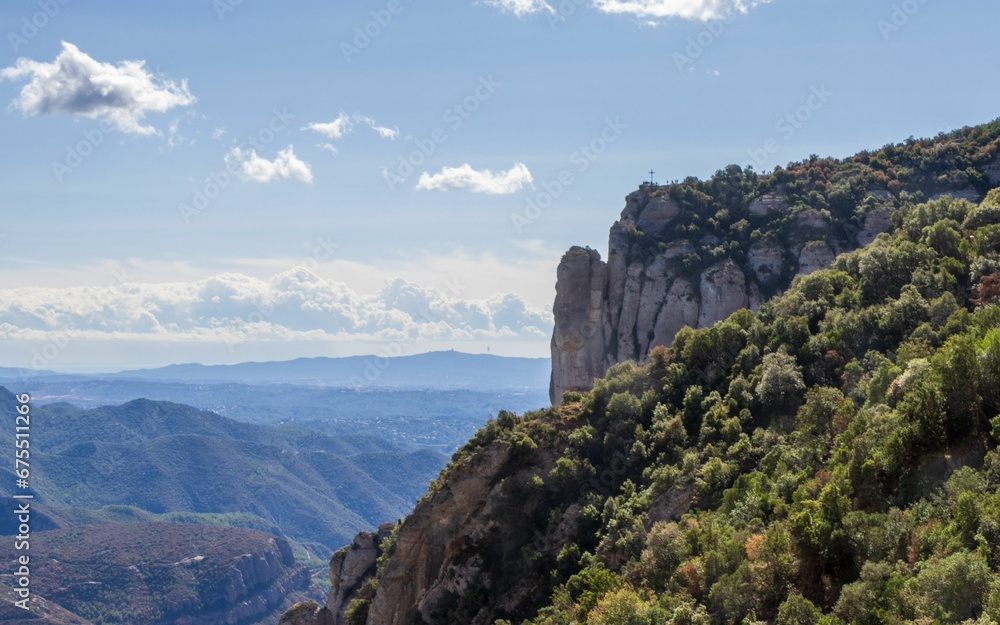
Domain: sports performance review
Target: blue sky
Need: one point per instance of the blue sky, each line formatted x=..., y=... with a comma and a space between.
x=386, y=202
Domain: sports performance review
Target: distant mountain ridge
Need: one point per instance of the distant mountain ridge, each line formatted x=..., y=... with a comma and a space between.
x=446, y=369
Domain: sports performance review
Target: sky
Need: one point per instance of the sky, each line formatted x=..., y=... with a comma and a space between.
x=229, y=180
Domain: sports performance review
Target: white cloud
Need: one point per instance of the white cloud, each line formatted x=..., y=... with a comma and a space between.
x=286, y=166
x=76, y=84
x=292, y=305
x=345, y=125
x=521, y=8
x=335, y=129
x=477, y=181
x=383, y=131
x=689, y=9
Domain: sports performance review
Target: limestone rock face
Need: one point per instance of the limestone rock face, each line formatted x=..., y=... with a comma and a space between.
x=620, y=310
x=351, y=567
x=257, y=583
x=678, y=249
x=657, y=282
x=723, y=292
x=767, y=204
x=993, y=171
x=680, y=308
x=815, y=255
x=660, y=281
x=881, y=194
x=580, y=334
x=657, y=214
x=960, y=194
x=431, y=559
x=814, y=219
x=307, y=613
x=876, y=222
x=766, y=258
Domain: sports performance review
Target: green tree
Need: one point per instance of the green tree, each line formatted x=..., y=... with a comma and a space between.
x=797, y=610
x=620, y=607
x=780, y=379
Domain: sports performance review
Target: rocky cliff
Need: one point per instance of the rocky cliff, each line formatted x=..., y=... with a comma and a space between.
x=674, y=478
x=158, y=573
x=659, y=279
x=691, y=253
x=457, y=545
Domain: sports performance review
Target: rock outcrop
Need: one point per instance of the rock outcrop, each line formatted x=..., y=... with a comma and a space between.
x=814, y=256
x=307, y=613
x=657, y=279
x=679, y=256
x=580, y=333
x=352, y=566
x=993, y=171
x=434, y=552
x=876, y=222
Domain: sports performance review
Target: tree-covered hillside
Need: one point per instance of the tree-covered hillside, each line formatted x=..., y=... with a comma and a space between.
x=817, y=201
x=828, y=459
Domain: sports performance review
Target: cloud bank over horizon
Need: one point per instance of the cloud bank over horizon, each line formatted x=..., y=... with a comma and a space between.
x=293, y=305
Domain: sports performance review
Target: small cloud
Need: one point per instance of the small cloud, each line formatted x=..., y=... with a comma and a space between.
x=520, y=8
x=383, y=131
x=477, y=181
x=327, y=146
x=76, y=84
x=254, y=168
x=335, y=129
x=689, y=9
x=715, y=72
x=345, y=125
x=218, y=133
